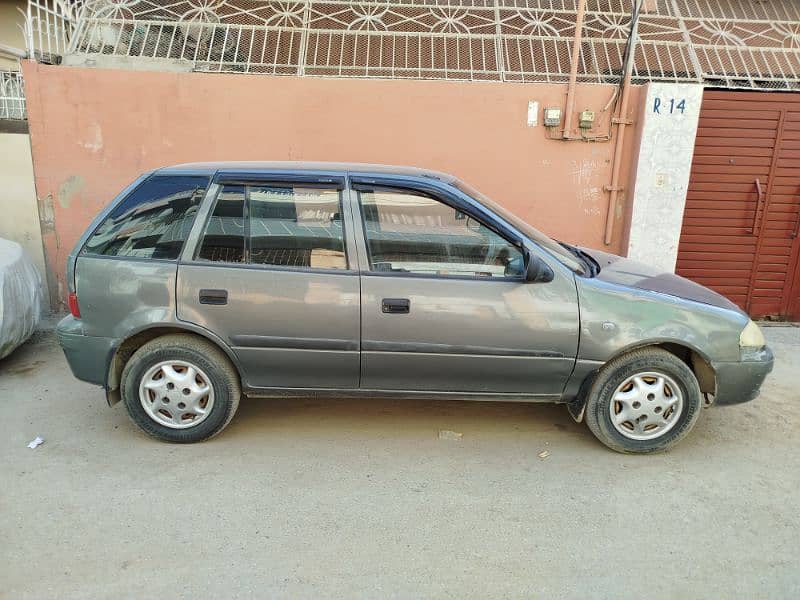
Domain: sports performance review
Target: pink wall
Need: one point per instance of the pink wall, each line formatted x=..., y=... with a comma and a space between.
x=94, y=130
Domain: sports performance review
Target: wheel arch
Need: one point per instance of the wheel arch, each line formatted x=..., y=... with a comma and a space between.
x=122, y=352
x=697, y=361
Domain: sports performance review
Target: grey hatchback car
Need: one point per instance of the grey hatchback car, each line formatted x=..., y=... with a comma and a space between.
x=203, y=282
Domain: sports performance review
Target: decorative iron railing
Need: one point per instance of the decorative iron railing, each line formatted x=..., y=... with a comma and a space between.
x=736, y=43
x=12, y=95
x=49, y=25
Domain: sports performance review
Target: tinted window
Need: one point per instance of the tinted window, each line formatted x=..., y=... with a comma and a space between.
x=413, y=233
x=152, y=222
x=224, y=237
x=284, y=225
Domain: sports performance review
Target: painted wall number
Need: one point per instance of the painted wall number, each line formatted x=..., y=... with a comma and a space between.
x=661, y=107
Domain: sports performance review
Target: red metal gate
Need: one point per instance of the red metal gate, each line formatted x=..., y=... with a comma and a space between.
x=742, y=216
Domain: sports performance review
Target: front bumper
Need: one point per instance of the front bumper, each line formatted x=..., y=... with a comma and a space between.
x=87, y=355
x=741, y=381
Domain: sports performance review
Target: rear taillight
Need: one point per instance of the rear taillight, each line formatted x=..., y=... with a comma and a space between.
x=73, y=305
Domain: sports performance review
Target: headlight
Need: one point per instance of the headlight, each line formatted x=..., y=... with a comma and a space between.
x=751, y=337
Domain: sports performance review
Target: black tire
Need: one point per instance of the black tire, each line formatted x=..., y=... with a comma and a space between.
x=222, y=376
x=615, y=373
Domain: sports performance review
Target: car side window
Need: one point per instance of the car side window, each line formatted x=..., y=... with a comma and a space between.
x=410, y=232
x=284, y=225
x=296, y=227
x=153, y=221
x=224, y=237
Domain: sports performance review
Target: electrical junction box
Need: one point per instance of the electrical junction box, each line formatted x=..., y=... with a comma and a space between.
x=586, y=119
x=552, y=117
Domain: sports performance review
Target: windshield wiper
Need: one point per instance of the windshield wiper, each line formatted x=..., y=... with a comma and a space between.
x=592, y=266
x=590, y=260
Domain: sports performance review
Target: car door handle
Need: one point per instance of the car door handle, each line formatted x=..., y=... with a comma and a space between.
x=218, y=297
x=396, y=306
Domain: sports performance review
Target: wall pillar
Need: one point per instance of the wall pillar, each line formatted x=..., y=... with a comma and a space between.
x=668, y=126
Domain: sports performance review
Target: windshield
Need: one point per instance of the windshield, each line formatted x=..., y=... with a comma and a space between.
x=556, y=249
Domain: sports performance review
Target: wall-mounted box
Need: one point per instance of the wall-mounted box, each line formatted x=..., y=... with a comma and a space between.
x=552, y=117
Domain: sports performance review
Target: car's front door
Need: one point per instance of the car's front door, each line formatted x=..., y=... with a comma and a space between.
x=444, y=304
x=273, y=272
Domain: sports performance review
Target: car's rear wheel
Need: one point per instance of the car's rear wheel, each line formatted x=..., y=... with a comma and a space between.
x=180, y=388
x=642, y=402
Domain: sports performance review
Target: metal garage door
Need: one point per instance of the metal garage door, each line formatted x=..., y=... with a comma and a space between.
x=740, y=225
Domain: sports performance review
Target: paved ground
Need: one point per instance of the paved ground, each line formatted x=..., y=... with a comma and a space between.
x=353, y=499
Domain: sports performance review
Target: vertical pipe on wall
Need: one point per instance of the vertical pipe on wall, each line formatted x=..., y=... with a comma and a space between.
x=621, y=122
x=573, y=69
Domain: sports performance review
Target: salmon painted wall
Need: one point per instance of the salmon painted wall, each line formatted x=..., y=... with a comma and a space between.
x=94, y=130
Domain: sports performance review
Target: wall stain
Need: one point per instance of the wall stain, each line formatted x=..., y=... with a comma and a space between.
x=47, y=221
x=47, y=216
x=96, y=143
x=68, y=189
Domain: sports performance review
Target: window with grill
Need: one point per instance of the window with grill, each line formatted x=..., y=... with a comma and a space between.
x=408, y=232
x=283, y=225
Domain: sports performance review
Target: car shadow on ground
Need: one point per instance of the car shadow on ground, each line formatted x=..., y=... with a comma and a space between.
x=402, y=417
x=405, y=415
x=535, y=425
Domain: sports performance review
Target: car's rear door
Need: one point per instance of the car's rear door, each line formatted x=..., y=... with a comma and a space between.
x=272, y=271
x=444, y=306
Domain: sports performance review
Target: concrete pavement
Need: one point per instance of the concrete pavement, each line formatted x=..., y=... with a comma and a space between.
x=349, y=499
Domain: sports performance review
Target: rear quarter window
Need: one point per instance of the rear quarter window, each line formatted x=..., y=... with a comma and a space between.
x=153, y=221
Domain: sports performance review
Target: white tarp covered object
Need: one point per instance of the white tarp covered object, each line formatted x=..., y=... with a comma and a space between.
x=20, y=296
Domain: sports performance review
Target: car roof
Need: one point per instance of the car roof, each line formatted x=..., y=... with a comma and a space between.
x=207, y=168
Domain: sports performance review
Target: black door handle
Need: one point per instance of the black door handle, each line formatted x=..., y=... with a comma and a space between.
x=396, y=306
x=218, y=297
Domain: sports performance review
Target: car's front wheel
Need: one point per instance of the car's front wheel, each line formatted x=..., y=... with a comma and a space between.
x=180, y=388
x=642, y=402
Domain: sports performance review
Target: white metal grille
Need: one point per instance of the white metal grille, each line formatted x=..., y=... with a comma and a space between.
x=49, y=25
x=12, y=95
x=745, y=43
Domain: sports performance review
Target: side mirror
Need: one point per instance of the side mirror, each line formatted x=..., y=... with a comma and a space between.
x=536, y=270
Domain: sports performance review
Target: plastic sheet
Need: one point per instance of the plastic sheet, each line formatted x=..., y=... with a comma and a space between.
x=20, y=296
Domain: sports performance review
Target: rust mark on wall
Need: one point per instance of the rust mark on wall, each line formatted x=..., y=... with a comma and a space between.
x=68, y=189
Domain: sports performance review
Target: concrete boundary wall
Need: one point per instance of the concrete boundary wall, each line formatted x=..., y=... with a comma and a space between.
x=94, y=130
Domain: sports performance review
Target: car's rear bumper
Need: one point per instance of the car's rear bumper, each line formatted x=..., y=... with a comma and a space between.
x=87, y=355
x=741, y=381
